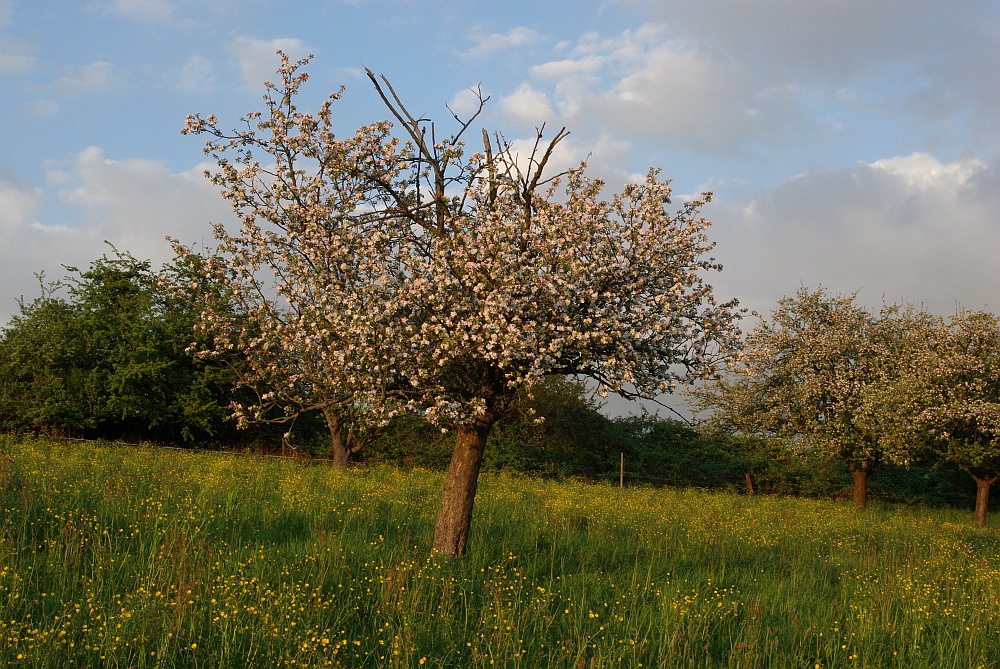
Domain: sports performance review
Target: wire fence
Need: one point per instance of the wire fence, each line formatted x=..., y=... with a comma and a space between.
x=622, y=477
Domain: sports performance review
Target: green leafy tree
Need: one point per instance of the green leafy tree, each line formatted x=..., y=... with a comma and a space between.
x=672, y=452
x=556, y=431
x=45, y=383
x=102, y=353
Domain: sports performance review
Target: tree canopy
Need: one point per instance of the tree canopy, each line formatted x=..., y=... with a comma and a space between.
x=406, y=274
x=816, y=373
x=948, y=399
x=102, y=353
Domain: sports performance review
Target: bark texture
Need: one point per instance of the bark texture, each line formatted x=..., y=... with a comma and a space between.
x=859, y=474
x=454, y=518
x=341, y=443
x=983, y=485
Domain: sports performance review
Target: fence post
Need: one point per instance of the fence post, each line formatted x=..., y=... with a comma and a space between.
x=621, y=470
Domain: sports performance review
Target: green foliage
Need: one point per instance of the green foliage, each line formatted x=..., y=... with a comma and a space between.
x=102, y=354
x=932, y=483
x=559, y=431
x=674, y=453
x=411, y=441
x=44, y=381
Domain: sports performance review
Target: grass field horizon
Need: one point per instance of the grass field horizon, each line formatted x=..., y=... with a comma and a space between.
x=129, y=557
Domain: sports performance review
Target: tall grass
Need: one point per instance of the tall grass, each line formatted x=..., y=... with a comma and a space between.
x=121, y=557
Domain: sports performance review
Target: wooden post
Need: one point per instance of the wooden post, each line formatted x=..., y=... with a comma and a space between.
x=749, y=484
x=621, y=471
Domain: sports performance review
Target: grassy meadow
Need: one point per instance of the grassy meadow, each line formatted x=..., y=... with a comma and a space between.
x=123, y=557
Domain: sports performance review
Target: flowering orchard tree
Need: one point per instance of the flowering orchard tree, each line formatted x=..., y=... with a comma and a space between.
x=816, y=373
x=423, y=278
x=953, y=391
x=311, y=282
x=280, y=362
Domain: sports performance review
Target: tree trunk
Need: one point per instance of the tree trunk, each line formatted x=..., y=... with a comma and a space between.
x=983, y=485
x=339, y=447
x=454, y=518
x=860, y=489
x=338, y=454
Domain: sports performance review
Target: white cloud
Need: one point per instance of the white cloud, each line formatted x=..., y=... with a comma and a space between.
x=41, y=108
x=15, y=56
x=133, y=204
x=258, y=60
x=28, y=248
x=924, y=171
x=680, y=92
x=528, y=105
x=137, y=202
x=195, y=76
x=488, y=44
x=18, y=205
x=826, y=39
x=83, y=79
x=15, y=53
x=144, y=11
x=750, y=80
x=920, y=57
x=907, y=229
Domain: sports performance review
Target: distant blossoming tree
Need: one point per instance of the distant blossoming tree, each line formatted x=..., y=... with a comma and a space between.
x=952, y=397
x=413, y=276
x=817, y=374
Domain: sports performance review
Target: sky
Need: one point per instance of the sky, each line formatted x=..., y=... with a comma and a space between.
x=848, y=144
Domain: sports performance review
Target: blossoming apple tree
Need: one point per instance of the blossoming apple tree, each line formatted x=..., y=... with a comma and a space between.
x=952, y=397
x=398, y=272
x=820, y=373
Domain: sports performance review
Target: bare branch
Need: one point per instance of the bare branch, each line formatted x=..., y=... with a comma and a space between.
x=536, y=178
